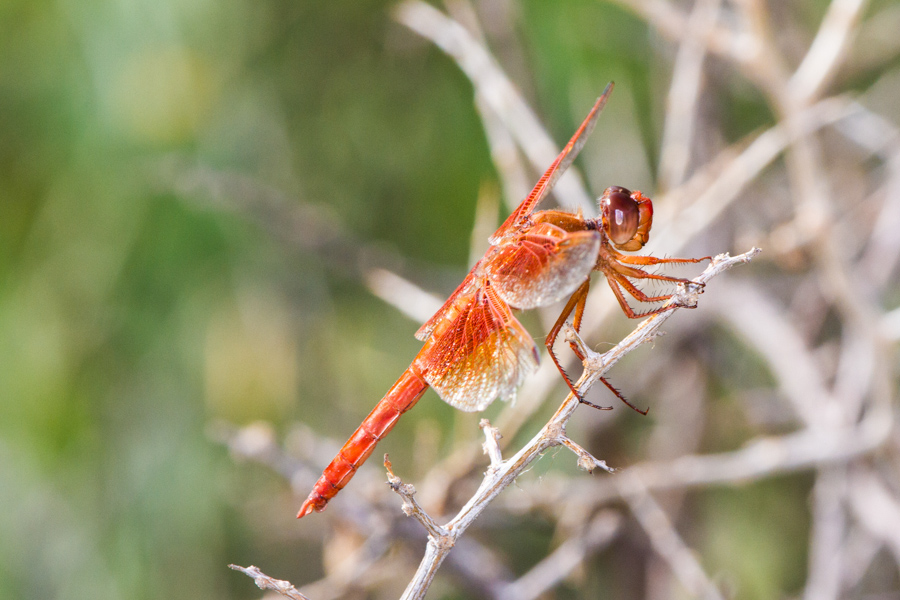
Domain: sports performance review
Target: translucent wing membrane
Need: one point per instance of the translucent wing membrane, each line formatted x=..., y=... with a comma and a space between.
x=484, y=354
x=556, y=170
x=542, y=268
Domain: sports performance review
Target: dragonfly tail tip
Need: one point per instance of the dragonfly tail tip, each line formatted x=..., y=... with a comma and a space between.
x=305, y=509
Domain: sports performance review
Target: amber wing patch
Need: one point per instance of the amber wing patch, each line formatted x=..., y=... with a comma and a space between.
x=483, y=354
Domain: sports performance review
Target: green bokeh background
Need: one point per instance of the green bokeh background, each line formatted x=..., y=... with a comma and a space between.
x=135, y=310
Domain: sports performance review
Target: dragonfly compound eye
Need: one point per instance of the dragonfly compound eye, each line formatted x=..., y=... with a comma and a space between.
x=622, y=215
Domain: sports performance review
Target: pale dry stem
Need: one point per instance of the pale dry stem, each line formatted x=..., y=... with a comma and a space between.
x=410, y=506
x=568, y=556
x=264, y=582
x=665, y=539
x=496, y=90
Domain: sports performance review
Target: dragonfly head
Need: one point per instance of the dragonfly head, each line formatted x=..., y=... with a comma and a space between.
x=626, y=218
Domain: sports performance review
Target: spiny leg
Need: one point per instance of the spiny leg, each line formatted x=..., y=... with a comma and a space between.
x=576, y=303
x=637, y=259
x=625, y=307
x=576, y=322
x=617, y=266
x=617, y=275
x=638, y=294
x=641, y=274
x=614, y=282
x=577, y=298
x=622, y=397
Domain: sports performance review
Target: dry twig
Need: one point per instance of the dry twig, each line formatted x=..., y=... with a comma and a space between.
x=264, y=582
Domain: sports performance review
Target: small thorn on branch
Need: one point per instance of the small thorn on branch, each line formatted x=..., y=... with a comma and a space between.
x=411, y=507
x=491, y=447
x=586, y=461
x=264, y=582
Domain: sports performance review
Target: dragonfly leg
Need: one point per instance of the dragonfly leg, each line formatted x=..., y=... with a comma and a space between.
x=619, y=264
x=576, y=320
x=641, y=274
x=638, y=294
x=576, y=303
x=621, y=397
x=616, y=283
x=637, y=259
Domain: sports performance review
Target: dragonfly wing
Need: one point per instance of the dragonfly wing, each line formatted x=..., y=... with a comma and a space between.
x=540, y=269
x=559, y=166
x=484, y=353
x=465, y=287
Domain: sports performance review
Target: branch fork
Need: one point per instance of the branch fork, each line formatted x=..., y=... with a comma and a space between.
x=412, y=508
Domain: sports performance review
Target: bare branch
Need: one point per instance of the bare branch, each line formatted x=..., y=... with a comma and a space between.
x=264, y=582
x=597, y=365
x=689, y=209
x=759, y=322
x=549, y=572
x=586, y=461
x=760, y=458
x=827, y=50
x=514, y=175
x=876, y=508
x=411, y=507
x=673, y=24
x=405, y=296
x=827, y=535
x=684, y=91
x=665, y=539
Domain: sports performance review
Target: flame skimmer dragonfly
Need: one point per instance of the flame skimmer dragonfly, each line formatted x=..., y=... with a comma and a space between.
x=475, y=350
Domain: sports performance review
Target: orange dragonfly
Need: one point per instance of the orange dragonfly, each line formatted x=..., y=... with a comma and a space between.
x=475, y=350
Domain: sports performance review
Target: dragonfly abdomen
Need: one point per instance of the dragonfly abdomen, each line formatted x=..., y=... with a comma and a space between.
x=400, y=398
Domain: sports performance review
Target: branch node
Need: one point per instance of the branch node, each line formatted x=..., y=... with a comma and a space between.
x=443, y=543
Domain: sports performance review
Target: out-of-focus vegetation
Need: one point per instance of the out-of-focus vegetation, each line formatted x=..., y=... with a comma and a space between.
x=190, y=193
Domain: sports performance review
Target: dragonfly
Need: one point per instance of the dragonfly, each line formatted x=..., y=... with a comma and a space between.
x=475, y=350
